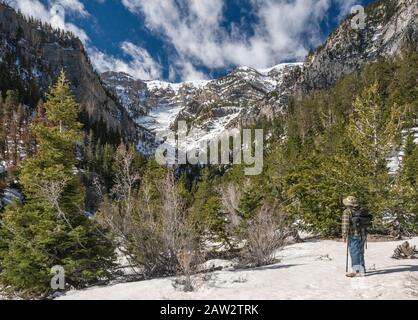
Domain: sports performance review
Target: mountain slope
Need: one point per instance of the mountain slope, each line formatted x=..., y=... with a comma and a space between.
x=31, y=57
x=246, y=95
x=390, y=27
x=210, y=106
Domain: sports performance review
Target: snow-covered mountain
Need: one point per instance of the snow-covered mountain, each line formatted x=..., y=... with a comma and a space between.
x=390, y=27
x=209, y=106
x=247, y=95
x=32, y=54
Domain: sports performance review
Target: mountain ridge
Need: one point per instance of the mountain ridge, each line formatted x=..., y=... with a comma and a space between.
x=33, y=54
x=390, y=27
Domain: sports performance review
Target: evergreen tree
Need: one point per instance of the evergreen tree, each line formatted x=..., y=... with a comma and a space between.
x=51, y=228
x=206, y=212
x=403, y=200
x=250, y=200
x=409, y=170
x=373, y=129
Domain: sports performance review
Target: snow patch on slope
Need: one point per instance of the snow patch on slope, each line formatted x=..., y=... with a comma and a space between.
x=160, y=118
x=279, y=67
x=157, y=85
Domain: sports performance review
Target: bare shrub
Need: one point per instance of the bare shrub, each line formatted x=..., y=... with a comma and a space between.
x=264, y=235
x=126, y=181
x=117, y=215
x=154, y=234
x=187, y=259
x=182, y=245
x=230, y=198
x=51, y=191
x=151, y=225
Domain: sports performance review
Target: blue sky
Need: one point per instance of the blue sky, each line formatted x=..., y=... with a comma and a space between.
x=179, y=40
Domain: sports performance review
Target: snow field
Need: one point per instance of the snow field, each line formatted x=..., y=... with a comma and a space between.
x=309, y=270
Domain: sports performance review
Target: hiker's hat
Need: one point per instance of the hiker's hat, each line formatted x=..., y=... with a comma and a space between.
x=350, y=201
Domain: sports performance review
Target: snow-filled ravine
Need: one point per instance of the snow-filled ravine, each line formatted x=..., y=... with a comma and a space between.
x=309, y=270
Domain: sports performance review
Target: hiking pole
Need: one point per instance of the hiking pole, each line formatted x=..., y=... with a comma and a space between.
x=346, y=258
x=364, y=253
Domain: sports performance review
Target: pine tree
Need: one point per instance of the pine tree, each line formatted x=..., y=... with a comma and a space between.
x=373, y=129
x=251, y=200
x=51, y=228
x=206, y=211
x=403, y=200
x=409, y=170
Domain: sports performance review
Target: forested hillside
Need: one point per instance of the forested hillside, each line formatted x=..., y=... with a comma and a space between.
x=76, y=193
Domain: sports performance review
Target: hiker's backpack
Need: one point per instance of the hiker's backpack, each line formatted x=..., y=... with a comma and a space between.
x=361, y=219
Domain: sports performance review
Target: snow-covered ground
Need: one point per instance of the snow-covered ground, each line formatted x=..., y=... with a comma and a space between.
x=310, y=270
x=156, y=84
x=160, y=119
x=278, y=67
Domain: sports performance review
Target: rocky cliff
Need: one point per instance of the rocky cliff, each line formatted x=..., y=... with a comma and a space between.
x=209, y=106
x=247, y=95
x=32, y=54
x=390, y=26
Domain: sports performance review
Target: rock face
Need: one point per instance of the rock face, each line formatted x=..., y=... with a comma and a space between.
x=247, y=95
x=390, y=26
x=209, y=106
x=34, y=54
x=236, y=95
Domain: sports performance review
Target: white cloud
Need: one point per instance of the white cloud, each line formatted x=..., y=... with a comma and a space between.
x=140, y=65
x=285, y=30
x=54, y=13
x=187, y=71
x=73, y=6
x=346, y=6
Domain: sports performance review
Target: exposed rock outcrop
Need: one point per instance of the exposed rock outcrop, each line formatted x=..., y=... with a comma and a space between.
x=34, y=53
x=390, y=27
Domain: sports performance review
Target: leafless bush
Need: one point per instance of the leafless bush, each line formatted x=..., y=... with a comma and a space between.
x=117, y=213
x=51, y=191
x=230, y=198
x=156, y=233
x=165, y=240
x=126, y=181
x=153, y=233
x=188, y=260
x=264, y=235
x=180, y=241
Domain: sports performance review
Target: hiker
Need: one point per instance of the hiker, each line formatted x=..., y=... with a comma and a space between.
x=355, y=222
